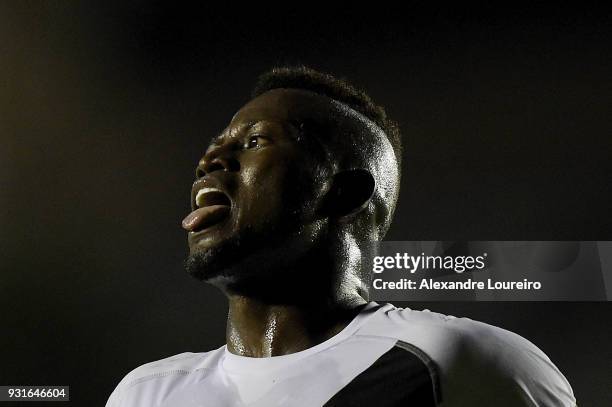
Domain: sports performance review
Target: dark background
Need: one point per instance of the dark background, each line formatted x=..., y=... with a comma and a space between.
x=106, y=109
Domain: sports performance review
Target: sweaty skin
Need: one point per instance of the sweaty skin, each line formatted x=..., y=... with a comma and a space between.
x=283, y=243
x=285, y=201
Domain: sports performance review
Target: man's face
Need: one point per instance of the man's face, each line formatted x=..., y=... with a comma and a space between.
x=259, y=189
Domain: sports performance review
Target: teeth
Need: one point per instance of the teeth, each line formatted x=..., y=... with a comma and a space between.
x=200, y=195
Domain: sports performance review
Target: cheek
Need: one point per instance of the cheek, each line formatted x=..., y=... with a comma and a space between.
x=261, y=190
x=277, y=188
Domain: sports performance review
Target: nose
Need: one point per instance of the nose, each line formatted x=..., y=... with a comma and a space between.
x=217, y=161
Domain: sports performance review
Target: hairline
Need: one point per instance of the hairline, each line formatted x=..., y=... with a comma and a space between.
x=356, y=116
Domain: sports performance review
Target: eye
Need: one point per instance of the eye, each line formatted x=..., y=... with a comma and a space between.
x=255, y=141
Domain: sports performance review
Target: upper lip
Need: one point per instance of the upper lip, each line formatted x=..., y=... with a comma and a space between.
x=209, y=183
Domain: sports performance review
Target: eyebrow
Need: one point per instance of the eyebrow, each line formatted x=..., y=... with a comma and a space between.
x=247, y=126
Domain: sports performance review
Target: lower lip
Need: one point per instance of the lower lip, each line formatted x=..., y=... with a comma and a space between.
x=195, y=237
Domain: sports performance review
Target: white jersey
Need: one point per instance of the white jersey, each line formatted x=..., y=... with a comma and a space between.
x=385, y=357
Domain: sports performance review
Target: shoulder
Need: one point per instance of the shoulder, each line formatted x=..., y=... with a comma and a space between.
x=144, y=377
x=479, y=363
x=182, y=362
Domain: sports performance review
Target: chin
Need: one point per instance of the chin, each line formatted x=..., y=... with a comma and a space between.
x=207, y=261
x=219, y=260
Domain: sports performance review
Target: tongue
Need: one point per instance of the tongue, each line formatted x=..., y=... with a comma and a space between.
x=204, y=217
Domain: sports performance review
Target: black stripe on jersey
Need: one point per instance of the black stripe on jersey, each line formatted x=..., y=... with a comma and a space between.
x=402, y=377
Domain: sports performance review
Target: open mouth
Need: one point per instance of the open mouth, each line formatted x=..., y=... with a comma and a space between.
x=212, y=206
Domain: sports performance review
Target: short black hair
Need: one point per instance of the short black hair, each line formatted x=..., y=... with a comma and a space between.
x=339, y=89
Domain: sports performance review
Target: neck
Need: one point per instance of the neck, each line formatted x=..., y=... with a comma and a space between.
x=258, y=329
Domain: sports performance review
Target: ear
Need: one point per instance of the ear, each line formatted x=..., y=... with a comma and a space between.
x=349, y=193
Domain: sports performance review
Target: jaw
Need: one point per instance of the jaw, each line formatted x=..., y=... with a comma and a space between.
x=238, y=262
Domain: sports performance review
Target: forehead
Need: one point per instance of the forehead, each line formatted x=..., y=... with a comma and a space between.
x=284, y=106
